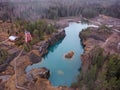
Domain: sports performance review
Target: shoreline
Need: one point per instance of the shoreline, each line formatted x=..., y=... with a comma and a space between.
x=26, y=60
x=64, y=22
x=35, y=53
x=32, y=53
x=106, y=42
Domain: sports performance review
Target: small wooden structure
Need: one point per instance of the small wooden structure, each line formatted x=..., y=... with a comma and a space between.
x=28, y=37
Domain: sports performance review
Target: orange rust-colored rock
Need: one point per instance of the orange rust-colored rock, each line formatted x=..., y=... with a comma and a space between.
x=69, y=55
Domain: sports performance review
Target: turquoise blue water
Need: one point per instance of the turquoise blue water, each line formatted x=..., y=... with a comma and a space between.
x=64, y=71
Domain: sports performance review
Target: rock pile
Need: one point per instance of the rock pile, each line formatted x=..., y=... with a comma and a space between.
x=38, y=73
x=69, y=55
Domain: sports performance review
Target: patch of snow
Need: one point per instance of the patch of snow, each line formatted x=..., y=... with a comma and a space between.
x=119, y=43
x=13, y=38
x=95, y=26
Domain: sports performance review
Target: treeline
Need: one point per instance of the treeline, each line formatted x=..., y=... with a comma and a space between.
x=57, y=9
x=34, y=10
x=3, y=56
x=103, y=72
x=103, y=68
x=38, y=29
x=87, y=11
x=6, y=11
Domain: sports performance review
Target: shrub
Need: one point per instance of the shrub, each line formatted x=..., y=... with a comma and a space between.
x=19, y=41
x=39, y=29
x=3, y=56
x=34, y=41
x=97, y=57
x=85, y=33
x=104, y=29
x=27, y=47
x=113, y=72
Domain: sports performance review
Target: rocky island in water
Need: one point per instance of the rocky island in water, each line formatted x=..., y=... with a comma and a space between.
x=35, y=35
x=69, y=55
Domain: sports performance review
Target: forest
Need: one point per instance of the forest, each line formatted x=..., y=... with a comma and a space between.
x=53, y=9
x=39, y=18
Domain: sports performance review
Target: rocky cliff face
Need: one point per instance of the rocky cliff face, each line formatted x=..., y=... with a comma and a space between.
x=93, y=38
x=36, y=79
x=99, y=45
x=41, y=48
x=38, y=73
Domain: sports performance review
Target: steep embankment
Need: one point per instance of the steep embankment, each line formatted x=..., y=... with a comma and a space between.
x=32, y=80
x=101, y=59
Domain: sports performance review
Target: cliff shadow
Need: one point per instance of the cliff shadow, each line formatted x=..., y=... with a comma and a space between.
x=53, y=47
